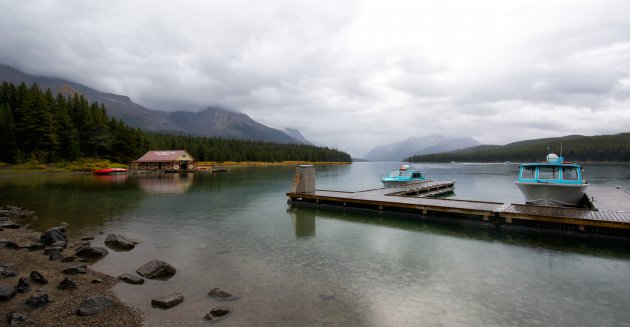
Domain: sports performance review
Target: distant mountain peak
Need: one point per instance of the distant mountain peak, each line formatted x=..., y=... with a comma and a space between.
x=416, y=145
x=296, y=135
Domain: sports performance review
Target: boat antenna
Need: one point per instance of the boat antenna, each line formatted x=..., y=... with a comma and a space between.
x=561, y=148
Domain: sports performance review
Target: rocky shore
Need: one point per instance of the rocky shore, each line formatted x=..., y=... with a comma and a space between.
x=45, y=280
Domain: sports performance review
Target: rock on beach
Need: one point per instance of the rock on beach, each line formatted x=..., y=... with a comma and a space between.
x=53, y=306
x=119, y=242
x=168, y=301
x=94, y=305
x=87, y=251
x=131, y=279
x=52, y=236
x=156, y=269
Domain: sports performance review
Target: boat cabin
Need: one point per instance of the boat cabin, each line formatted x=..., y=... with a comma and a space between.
x=165, y=160
x=554, y=170
x=405, y=172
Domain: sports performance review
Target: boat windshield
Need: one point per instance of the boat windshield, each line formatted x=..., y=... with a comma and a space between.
x=569, y=173
x=393, y=173
x=528, y=173
x=405, y=173
x=548, y=173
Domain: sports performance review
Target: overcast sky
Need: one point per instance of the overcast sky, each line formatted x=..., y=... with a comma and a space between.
x=349, y=74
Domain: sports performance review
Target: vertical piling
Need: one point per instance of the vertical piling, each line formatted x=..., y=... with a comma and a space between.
x=306, y=181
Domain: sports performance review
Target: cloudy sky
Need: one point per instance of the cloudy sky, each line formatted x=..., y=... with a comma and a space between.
x=349, y=74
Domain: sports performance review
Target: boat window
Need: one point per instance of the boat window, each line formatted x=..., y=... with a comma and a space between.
x=569, y=173
x=405, y=174
x=529, y=173
x=393, y=173
x=548, y=173
x=416, y=175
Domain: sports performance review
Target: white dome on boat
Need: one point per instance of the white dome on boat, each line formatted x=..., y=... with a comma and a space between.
x=552, y=157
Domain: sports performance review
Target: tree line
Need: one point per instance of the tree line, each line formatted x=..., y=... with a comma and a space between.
x=599, y=148
x=37, y=125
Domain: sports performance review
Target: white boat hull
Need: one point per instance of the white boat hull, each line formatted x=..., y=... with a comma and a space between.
x=548, y=194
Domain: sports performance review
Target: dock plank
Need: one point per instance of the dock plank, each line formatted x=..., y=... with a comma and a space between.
x=609, y=198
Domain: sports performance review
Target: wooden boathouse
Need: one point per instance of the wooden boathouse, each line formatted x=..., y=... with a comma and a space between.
x=611, y=218
x=164, y=160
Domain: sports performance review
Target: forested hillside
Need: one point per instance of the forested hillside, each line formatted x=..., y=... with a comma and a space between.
x=37, y=125
x=600, y=148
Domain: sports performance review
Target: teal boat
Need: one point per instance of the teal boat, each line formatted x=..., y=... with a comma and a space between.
x=554, y=182
x=404, y=175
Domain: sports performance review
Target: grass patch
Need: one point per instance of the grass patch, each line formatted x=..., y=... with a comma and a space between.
x=81, y=165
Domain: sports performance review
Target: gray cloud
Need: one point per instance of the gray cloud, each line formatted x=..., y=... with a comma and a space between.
x=351, y=74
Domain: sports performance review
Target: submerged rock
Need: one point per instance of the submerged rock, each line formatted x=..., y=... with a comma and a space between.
x=93, y=305
x=131, y=279
x=119, y=242
x=220, y=294
x=217, y=313
x=156, y=269
x=87, y=251
x=168, y=301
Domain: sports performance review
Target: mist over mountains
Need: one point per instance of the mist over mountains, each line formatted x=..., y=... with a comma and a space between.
x=434, y=143
x=213, y=121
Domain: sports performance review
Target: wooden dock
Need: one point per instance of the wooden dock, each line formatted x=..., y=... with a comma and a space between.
x=612, y=218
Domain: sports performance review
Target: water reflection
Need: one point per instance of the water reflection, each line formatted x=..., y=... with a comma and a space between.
x=165, y=183
x=118, y=178
x=303, y=222
x=85, y=202
x=583, y=244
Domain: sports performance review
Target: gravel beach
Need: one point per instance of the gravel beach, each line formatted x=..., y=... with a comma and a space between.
x=63, y=305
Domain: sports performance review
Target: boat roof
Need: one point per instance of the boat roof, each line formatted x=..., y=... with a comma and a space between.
x=552, y=160
x=544, y=163
x=164, y=156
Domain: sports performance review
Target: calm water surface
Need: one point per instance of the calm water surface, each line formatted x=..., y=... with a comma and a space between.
x=309, y=267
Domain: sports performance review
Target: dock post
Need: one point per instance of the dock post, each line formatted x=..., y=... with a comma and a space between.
x=306, y=181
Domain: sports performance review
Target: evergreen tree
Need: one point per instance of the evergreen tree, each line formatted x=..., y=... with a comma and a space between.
x=67, y=134
x=8, y=142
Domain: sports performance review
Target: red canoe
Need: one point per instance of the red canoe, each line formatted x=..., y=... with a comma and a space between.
x=109, y=171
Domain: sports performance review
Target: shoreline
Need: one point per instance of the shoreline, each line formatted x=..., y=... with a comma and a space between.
x=17, y=262
x=19, y=170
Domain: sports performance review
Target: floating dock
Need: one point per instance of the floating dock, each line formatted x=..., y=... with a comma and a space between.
x=611, y=218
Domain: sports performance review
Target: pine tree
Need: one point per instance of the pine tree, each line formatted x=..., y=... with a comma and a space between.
x=8, y=144
x=67, y=134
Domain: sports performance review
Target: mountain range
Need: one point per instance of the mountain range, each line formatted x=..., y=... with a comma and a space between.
x=434, y=143
x=213, y=121
x=597, y=148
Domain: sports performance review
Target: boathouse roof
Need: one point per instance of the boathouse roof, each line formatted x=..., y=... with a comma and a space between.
x=166, y=156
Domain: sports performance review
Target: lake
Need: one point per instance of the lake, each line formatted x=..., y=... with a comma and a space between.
x=316, y=267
